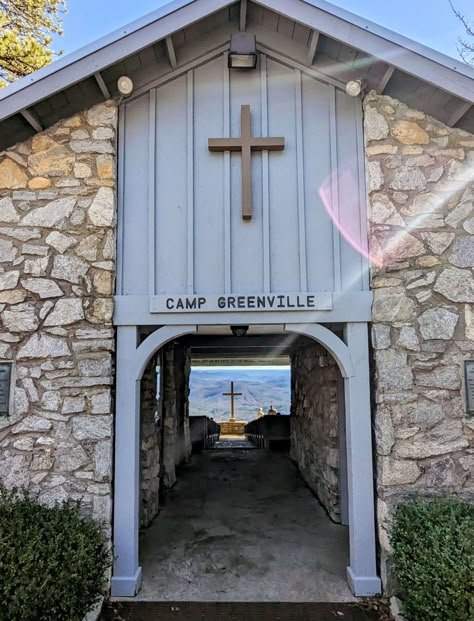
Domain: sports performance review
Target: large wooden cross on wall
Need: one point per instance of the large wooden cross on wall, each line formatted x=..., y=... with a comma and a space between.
x=246, y=143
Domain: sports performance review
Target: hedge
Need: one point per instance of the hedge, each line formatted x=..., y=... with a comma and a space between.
x=53, y=562
x=433, y=554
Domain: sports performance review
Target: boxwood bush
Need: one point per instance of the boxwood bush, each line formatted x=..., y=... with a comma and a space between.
x=53, y=562
x=433, y=553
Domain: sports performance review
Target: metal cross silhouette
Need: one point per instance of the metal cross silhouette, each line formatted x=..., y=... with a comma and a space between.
x=232, y=394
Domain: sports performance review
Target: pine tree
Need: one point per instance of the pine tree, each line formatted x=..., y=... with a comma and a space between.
x=26, y=27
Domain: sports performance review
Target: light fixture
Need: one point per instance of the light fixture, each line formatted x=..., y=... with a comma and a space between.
x=243, y=51
x=125, y=85
x=239, y=330
x=354, y=88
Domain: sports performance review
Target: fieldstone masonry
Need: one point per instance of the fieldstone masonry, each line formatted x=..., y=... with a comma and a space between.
x=175, y=408
x=421, y=220
x=315, y=423
x=150, y=441
x=57, y=267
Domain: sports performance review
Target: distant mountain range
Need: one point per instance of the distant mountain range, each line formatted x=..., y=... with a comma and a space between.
x=259, y=388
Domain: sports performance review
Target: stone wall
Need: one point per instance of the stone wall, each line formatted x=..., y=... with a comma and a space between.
x=315, y=423
x=182, y=372
x=57, y=262
x=175, y=424
x=150, y=438
x=421, y=218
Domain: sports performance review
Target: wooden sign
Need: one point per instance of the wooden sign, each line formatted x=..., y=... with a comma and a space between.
x=246, y=143
x=5, y=381
x=469, y=381
x=242, y=303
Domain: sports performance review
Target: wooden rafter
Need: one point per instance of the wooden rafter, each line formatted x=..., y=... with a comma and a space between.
x=243, y=16
x=170, y=52
x=385, y=79
x=459, y=112
x=32, y=119
x=313, y=46
x=102, y=85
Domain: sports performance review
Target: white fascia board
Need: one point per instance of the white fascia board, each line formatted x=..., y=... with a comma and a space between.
x=385, y=33
x=105, y=52
x=412, y=58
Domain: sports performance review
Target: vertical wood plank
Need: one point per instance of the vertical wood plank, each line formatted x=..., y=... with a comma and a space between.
x=120, y=242
x=152, y=139
x=364, y=240
x=265, y=178
x=334, y=190
x=300, y=181
x=227, y=232
x=190, y=181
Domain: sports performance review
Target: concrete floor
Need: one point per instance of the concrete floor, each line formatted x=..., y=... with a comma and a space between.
x=240, y=525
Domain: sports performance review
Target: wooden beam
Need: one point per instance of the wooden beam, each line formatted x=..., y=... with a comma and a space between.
x=170, y=52
x=243, y=16
x=459, y=112
x=32, y=119
x=313, y=45
x=385, y=79
x=102, y=85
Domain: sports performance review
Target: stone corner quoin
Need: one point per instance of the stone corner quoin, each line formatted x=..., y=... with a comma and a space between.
x=420, y=178
x=57, y=269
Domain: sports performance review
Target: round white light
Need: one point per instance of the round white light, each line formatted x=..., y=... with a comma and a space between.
x=354, y=88
x=125, y=86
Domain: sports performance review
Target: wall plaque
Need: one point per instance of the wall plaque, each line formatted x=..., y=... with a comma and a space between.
x=242, y=303
x=469, y=376
x=5, y=381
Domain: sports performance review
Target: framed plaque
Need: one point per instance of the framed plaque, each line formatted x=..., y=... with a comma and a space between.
x=5, y=382
x=469, y=379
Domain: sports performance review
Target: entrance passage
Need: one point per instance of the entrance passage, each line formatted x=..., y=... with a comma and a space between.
x=286, y=520
x=241, y=525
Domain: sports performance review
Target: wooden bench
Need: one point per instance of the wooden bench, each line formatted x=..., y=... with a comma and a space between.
x=269, y=431
x=204, y=432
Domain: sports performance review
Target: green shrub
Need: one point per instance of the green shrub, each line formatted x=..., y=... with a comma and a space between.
x=53, y=562
x=433, y=553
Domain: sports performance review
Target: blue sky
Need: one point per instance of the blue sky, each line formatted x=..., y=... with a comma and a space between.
x=430, y=22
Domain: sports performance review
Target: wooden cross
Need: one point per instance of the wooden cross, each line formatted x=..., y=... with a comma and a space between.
x=232, y=394
x=246, y=144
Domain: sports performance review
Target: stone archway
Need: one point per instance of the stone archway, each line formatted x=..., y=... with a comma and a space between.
x=351, y=355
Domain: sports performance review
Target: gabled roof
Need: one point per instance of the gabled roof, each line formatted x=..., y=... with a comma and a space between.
x=339, y=44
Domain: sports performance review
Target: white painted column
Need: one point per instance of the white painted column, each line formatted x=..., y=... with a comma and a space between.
x=362, y=572
x=127, y=574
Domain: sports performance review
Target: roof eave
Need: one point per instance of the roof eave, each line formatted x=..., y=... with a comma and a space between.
x=398, y=51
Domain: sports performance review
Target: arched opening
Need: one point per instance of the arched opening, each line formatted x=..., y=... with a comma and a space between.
x=323, y=379
x=220, y=523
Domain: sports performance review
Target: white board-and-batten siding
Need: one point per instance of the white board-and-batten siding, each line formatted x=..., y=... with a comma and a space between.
x=181, y=230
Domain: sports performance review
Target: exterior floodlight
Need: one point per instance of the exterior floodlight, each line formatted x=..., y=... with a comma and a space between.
x=354, y=88
x=125, y=86
x=239, y=330
x=243, y=51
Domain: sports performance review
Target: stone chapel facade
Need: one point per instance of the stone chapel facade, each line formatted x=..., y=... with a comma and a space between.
x=58, y=268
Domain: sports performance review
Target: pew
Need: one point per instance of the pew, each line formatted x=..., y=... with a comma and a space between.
x=204, y=432
x=269, y=432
